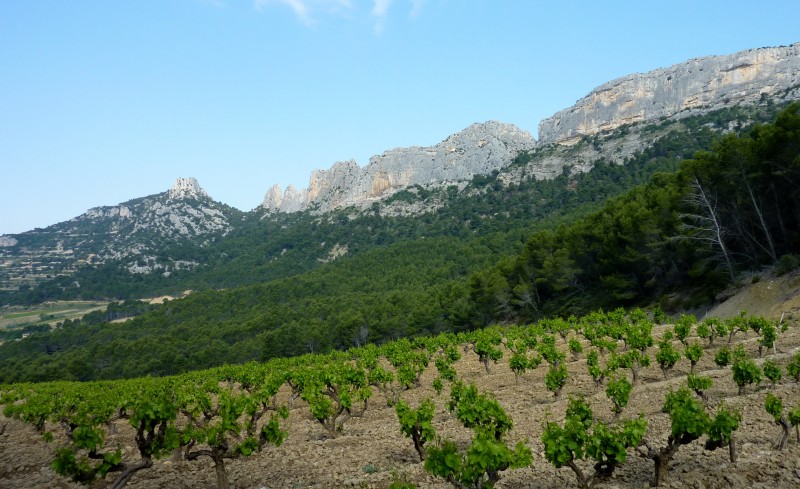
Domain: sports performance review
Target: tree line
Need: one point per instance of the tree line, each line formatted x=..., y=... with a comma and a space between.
x=650, y=244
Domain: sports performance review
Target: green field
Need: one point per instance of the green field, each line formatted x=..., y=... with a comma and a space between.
x=18, y=317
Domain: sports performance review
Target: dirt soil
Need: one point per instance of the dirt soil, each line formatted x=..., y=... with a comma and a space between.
x=371, y=453
x=770, y=297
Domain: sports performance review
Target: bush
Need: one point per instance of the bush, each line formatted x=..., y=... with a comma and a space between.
x=417, y=423
x=745, y=370
x=772, y=372
x=487, y=455
x=723, y=357
x=582, y=437
x=786, y=264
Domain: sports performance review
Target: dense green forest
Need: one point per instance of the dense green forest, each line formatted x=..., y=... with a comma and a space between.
x=728, y=209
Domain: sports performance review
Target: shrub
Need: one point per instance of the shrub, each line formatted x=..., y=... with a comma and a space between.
x=774, y=406
x=417, y=423
x=745, y=370
x=582, y=437
x=479, y=466
x=772, y=372
x=786, y=264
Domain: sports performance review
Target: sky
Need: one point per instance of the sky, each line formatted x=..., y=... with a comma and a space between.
x=102, y=102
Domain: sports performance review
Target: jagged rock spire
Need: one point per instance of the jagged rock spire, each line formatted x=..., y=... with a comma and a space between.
x=478, y=149
x=186, y=187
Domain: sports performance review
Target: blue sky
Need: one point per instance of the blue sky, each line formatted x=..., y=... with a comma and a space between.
x=102, y=102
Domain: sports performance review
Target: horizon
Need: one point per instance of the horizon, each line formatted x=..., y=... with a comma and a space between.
x=108, y=103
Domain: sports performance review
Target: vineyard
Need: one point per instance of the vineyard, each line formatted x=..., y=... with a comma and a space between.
x=625, y=398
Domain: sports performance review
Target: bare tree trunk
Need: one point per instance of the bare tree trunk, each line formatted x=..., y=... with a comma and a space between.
x=785, y=436
x=583, y=481
x=760, y=215
x=419, y=444
x=222, y=476
x=661, y=458
x=778, y=213
x=708, y=226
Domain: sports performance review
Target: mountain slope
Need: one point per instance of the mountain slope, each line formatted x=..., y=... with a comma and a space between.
x=155, y=234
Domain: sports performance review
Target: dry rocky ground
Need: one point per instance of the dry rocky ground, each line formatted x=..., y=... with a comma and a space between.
x=372, y=452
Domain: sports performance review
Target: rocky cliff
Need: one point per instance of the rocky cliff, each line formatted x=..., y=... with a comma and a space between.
x=478, y=149
x=693, y=86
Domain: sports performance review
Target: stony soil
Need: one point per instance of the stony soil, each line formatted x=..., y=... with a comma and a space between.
x=372, y=452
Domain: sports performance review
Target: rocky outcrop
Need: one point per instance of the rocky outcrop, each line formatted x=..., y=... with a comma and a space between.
x=168, y=214
x=292, y=200
x=121, y=211
x=478, y=149
x=7, y=241
x=688, y=88
x=684, y=89
x=186, y=188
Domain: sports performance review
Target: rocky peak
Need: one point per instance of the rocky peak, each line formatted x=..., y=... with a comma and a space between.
x=697, y=85
x=478, y=149
x=278, y=200
x=186, y=188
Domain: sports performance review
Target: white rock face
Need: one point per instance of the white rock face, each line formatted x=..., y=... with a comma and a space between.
x=684, y=89
x=121, y=211
x=7, y=241
x=478, y=149
x=186, y=188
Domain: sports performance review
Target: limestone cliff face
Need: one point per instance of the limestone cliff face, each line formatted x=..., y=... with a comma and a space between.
x=699, y=84
x=478, y=149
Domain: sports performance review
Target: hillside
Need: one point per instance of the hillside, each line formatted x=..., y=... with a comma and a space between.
x=372, y=452
x=102, y=255
x=688, y=88
x=153, y=236
x=571, y=264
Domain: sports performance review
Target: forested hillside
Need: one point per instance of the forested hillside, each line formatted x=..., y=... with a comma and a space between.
x=726, y=210
x=475, y=261
x=256, y=248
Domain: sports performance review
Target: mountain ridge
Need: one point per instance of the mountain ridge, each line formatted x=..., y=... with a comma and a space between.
x=686, y=88
x=726, y=80
x=694, y=86
x=478, y=149
x=168, y=231
x=138, y=230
